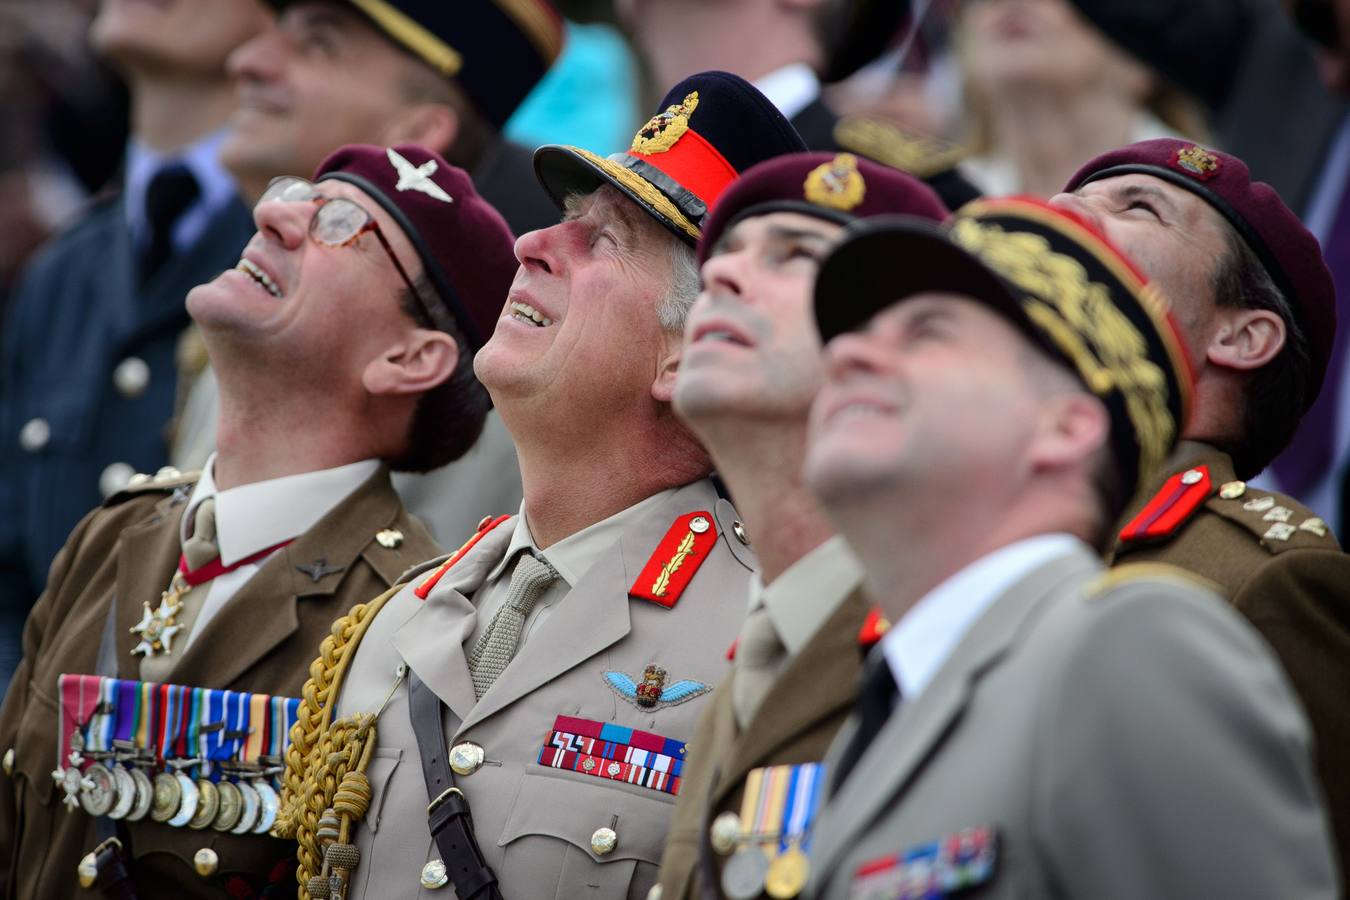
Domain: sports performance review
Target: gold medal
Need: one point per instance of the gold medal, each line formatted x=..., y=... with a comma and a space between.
x=231, y=806
x=208, y=804
x=787, y=874
x=167, y=794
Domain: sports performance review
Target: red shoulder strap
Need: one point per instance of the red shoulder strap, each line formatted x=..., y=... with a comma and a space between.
x=1180, y=496
x=484, y=527
x=873, y=627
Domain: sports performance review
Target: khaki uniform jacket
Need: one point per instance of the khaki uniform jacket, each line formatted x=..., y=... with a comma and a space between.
x=1295, y=591
x=535, y=823
x=1126, y=734
x=795, y=724
x=262, y=640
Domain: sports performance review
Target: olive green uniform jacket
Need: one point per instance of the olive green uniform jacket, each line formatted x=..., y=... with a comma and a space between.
x=794, y=724
x=262, y=640
x=1295, y=590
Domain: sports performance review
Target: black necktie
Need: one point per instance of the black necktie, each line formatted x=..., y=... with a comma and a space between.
x=877, y=697
x=171, y=192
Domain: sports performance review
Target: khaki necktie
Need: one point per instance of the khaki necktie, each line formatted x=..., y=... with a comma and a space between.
x=760, y=655
x=201, y=547
x=497, y=644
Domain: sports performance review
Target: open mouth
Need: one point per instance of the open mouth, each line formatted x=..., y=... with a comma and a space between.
x=716, y=333
x=251, y=269
x=524, y=312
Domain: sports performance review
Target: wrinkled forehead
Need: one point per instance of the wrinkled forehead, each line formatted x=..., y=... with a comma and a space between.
x=1138, y=185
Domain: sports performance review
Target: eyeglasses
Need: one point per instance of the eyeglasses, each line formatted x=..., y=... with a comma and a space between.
x=337, y=221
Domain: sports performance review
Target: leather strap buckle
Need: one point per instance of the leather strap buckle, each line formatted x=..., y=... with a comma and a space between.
x=442, y=797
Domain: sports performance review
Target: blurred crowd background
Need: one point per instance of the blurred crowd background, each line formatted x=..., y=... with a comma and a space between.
x=1021, y=92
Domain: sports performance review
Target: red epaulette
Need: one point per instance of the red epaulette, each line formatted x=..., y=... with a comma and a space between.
x=1180, y=496
x=484, y=527
x=873, y=627
x=675, y=560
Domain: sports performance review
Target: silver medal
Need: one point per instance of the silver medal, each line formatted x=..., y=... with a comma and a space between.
x=252, y=802
x=187, y=807
x=126, y=793
x=268, y=802
x=743, y=875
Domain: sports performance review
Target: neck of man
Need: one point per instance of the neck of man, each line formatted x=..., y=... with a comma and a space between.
x=1047, y=133
x=761, y=463
x=574, y=476
x=174, y=111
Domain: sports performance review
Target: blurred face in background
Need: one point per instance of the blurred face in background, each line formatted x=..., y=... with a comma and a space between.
x=1040, y=44
x=183, y=38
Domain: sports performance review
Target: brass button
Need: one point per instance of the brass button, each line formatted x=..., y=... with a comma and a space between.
x=1233, y=490
x=466, y=758
x=1192, y=476
x=434, y=875
x=34, y=435
x=115, y=477
x=603, y=841
x=131, y=377
x=654, y=893
x=699, y=524
x=87, y=871
x=389, y=538
x=738, y=529
x=725, y=833
x=168, y=472
x=206, y=862
x=8, y=762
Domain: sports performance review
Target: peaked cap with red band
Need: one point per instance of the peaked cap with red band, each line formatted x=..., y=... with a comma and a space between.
x=1289, y=252
x=711, y=127
x=466, y=247
x=497, y=50
x=1047, y=273
x=837, y=187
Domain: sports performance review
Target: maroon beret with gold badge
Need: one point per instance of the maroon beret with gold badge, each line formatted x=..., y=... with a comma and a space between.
x=466, y=247
x=1288, y=251
x=837, y=187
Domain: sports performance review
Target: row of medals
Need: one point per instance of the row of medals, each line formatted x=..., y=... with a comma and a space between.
x=753, y=869
x=123, y=790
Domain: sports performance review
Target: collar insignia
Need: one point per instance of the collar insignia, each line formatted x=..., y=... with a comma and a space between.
x=836, y=184
x=417, y=178
x=665, y=128
x=319, y=569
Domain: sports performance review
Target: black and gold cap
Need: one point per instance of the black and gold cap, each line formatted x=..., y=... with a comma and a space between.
x=711, y=127
x=1055, y=278
x=497, y=50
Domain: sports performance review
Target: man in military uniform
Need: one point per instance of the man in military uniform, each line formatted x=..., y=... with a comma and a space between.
x=563, y=652
x=795, y=47
x=344, y=340
x=1247, y=286
x=750, y=368
x=445, y=76
x=1033, y=725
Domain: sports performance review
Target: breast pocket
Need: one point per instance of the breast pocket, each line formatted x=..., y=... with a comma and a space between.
x=572, y=837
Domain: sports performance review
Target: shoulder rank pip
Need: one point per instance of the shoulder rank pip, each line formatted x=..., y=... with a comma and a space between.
x=1180, y=496
x=675, y=560
x=1276, y=521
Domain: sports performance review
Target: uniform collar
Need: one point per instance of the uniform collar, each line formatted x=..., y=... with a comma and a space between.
x=923, y=639
x=252, y=517
x=808, y=592
x=202, y=158
x=791, y=88
x=575, y=554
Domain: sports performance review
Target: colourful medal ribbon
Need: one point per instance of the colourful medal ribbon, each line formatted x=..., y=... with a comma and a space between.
x=101, y=722
x=77, y=703
x=236, y=725
x=213, y=730
x=128, y=719
x=164, y=722
x=772, y=800
x=257, y=717
x=191, y=722
x=754, y=784
x=803, y=801
x=145, y=728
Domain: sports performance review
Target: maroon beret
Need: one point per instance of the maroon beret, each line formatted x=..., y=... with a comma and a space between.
x=839, y=187
x=466, y=247
x=1288, y=251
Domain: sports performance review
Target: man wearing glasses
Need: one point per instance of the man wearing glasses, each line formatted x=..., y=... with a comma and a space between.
x=344, y=341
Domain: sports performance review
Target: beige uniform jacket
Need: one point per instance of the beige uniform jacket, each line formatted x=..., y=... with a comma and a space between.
x=262, y=640
x=533, y=822
x=795, y=724
x=1125, y=736
x=1292, y=584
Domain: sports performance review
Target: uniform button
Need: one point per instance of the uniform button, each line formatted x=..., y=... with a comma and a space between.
x=34, y=435
x=8, y=763
x=1233, y=490
x=206, y=862
x=466, y=758
x=725, y=833
x=604, y=840
x=434, y=875
x=699, y=524
x=389, y=538
x=738, y=529
x=87, y=871
x=115, y=477
x=167, y=472
x=1192, y=476
x=654, y=893
x=131, y=377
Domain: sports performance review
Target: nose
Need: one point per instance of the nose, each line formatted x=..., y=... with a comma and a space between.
x=285, y=222
x=1079, y=206
x=539, y=249
x=847, y=354
x=724, y=273
x=258, y=58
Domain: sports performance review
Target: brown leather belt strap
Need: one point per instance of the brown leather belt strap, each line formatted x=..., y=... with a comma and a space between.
x=448, y=814
x=113, y=880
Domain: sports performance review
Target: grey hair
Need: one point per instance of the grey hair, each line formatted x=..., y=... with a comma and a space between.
x=673, y=308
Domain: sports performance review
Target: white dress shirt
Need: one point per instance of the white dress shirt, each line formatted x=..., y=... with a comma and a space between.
x=791, y=88
x=923, y=639
x=253, y=517
x=217, y=187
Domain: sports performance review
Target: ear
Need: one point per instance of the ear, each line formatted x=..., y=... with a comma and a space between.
x=1076, y=425
x=1246, y=339
x=420, y=361
x=434, y=126
x=663, y=388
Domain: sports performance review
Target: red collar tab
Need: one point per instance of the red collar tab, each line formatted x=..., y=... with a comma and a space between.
x=873, y=627
x=676, y=559
x=1180, y=496
x=484, y=527
x=215, y=568
x=731, y=651
x=694, y=164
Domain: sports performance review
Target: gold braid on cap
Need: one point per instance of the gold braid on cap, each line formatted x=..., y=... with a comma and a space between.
x=1079, y=316
x=643, y=189
x=325, y=789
